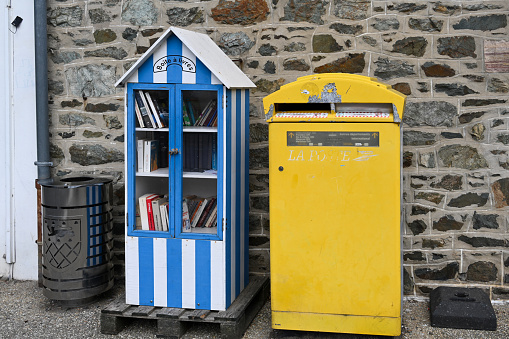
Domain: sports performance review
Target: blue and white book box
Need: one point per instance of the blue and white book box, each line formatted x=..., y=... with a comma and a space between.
x=187, y=166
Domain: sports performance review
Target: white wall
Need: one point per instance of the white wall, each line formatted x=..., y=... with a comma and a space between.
x=18, y=196
x=4, y=139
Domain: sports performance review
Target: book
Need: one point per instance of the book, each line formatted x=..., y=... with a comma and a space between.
x=139, y=155
x=156, y=210
x=213, y=161
x=163, y=115
x=206, y=212
x=200, y=118
x=208, y=155
x=186, y=221
x=185, y=115
x=138, y=115
x=210, y=115
x=143, y=109
x=204, y=113
x=199, y=152
x=190, y=110
x=156, y=213
x=195, y=152
x=149, y=111
x=197, y=213
x=154, y=155
x=191, y=202
x=155, y=112
x=161, y=106
x=165, y=118
x=162, y=154
x=164, y=216
x=185, y=152
x=142, y=200
x=150, y=155
x=211, y=118
x=138, y=217
x=212, y=217
x=201, y=147
x=150, y=212
x=195, y=203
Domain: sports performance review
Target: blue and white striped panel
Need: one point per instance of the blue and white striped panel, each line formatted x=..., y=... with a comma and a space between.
x=95, y=226
x=92, y=198
x=245, y=185
x=237, y=235
x=175, y=73
x=178, y=273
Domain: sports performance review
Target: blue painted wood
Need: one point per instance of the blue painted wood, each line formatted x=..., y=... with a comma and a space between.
x=174, y=72
x=146, y=71
x=220, y=165
x=228, y=233
x=238, y=182
x=203, y=275
x=203, y=74
x=178, y=160
x=146, y=260
x=174, y=272
x=176, y=172
x=246, y=191
x=234, y=133
x=172, y=181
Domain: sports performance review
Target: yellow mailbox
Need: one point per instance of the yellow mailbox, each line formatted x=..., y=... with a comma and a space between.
x=335, y=205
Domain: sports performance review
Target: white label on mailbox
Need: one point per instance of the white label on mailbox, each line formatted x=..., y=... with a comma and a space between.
x=302, y=115
x=362, y=115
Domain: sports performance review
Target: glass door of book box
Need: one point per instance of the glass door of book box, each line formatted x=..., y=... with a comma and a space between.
x=177, y=131
x=199, y=141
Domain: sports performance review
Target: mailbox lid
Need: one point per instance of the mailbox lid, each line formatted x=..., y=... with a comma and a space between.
x=335, y=97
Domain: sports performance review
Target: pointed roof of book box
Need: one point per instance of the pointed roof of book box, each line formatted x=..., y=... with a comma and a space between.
x=204, y=49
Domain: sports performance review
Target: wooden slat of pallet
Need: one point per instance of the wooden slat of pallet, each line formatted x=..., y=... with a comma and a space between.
x=171, y=328
x=173, y=322
x=146, y=311
x=112, y=323
x=118, y=306
x=169, y=312
x=211, y=317
x=243, y=300
x=235, y=327
x=138, y=311
x=195, y=315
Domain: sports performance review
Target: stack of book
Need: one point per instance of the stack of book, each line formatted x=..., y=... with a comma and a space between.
x=153, y=212
x=200, y=152
x=151, y=112
x=198, y=212
x=152, y=154
x=207, y=117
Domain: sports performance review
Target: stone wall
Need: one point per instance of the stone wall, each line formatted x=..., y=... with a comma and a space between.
x=449, y=57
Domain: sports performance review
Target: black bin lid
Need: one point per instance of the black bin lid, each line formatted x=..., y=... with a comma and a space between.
x=75, y=182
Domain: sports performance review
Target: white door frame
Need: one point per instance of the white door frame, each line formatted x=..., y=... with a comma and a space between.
x=18, y=196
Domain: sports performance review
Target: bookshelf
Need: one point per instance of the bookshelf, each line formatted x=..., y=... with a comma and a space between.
x=176, y=138
x=197, y=115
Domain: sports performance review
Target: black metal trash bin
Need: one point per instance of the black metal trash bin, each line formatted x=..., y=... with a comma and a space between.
x=77, y=239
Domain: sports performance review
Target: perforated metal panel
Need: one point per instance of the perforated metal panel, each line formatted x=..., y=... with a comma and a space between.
x=77, y=239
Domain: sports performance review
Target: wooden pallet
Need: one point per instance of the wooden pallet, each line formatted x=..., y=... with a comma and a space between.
x=174, y=322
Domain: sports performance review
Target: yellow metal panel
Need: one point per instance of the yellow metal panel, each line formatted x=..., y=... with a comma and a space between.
x=336, y=323
x=335, y=223
x=327, y=88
